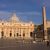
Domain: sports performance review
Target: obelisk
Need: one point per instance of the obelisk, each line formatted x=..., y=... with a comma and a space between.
x=44, y=23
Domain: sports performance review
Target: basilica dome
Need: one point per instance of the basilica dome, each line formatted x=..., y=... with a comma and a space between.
x=14, y=18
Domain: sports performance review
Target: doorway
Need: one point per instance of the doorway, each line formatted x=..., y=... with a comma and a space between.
x=2, y=34
x=31, y=34
x=10, y=34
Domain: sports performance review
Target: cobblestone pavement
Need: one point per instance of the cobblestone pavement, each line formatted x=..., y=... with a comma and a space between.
x=14, y=44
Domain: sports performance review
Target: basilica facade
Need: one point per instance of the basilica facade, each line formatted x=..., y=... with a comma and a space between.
x=14, y=28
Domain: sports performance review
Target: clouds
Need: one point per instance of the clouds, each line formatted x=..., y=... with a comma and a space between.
x=3, y=5
x=29, y=13
x=24, y=16
x=29, y=16
x=5, y=13
x=25, y=9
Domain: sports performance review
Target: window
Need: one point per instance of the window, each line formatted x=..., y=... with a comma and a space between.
x=10, y=34
x=2, y=33
x=23, y=34
x=2, y=23
x=17, y=34
x=31, y=34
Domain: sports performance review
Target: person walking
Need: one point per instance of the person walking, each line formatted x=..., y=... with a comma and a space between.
x=48, y=43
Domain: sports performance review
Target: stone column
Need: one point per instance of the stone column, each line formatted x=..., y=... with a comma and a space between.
x=44, y=23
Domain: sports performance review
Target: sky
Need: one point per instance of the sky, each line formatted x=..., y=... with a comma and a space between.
x=26, y=10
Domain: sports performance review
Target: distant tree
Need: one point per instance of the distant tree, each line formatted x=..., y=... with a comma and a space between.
x=39, y=30
x=40, y=27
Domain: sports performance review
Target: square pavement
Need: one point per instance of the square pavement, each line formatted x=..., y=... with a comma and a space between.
x=15, y=44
